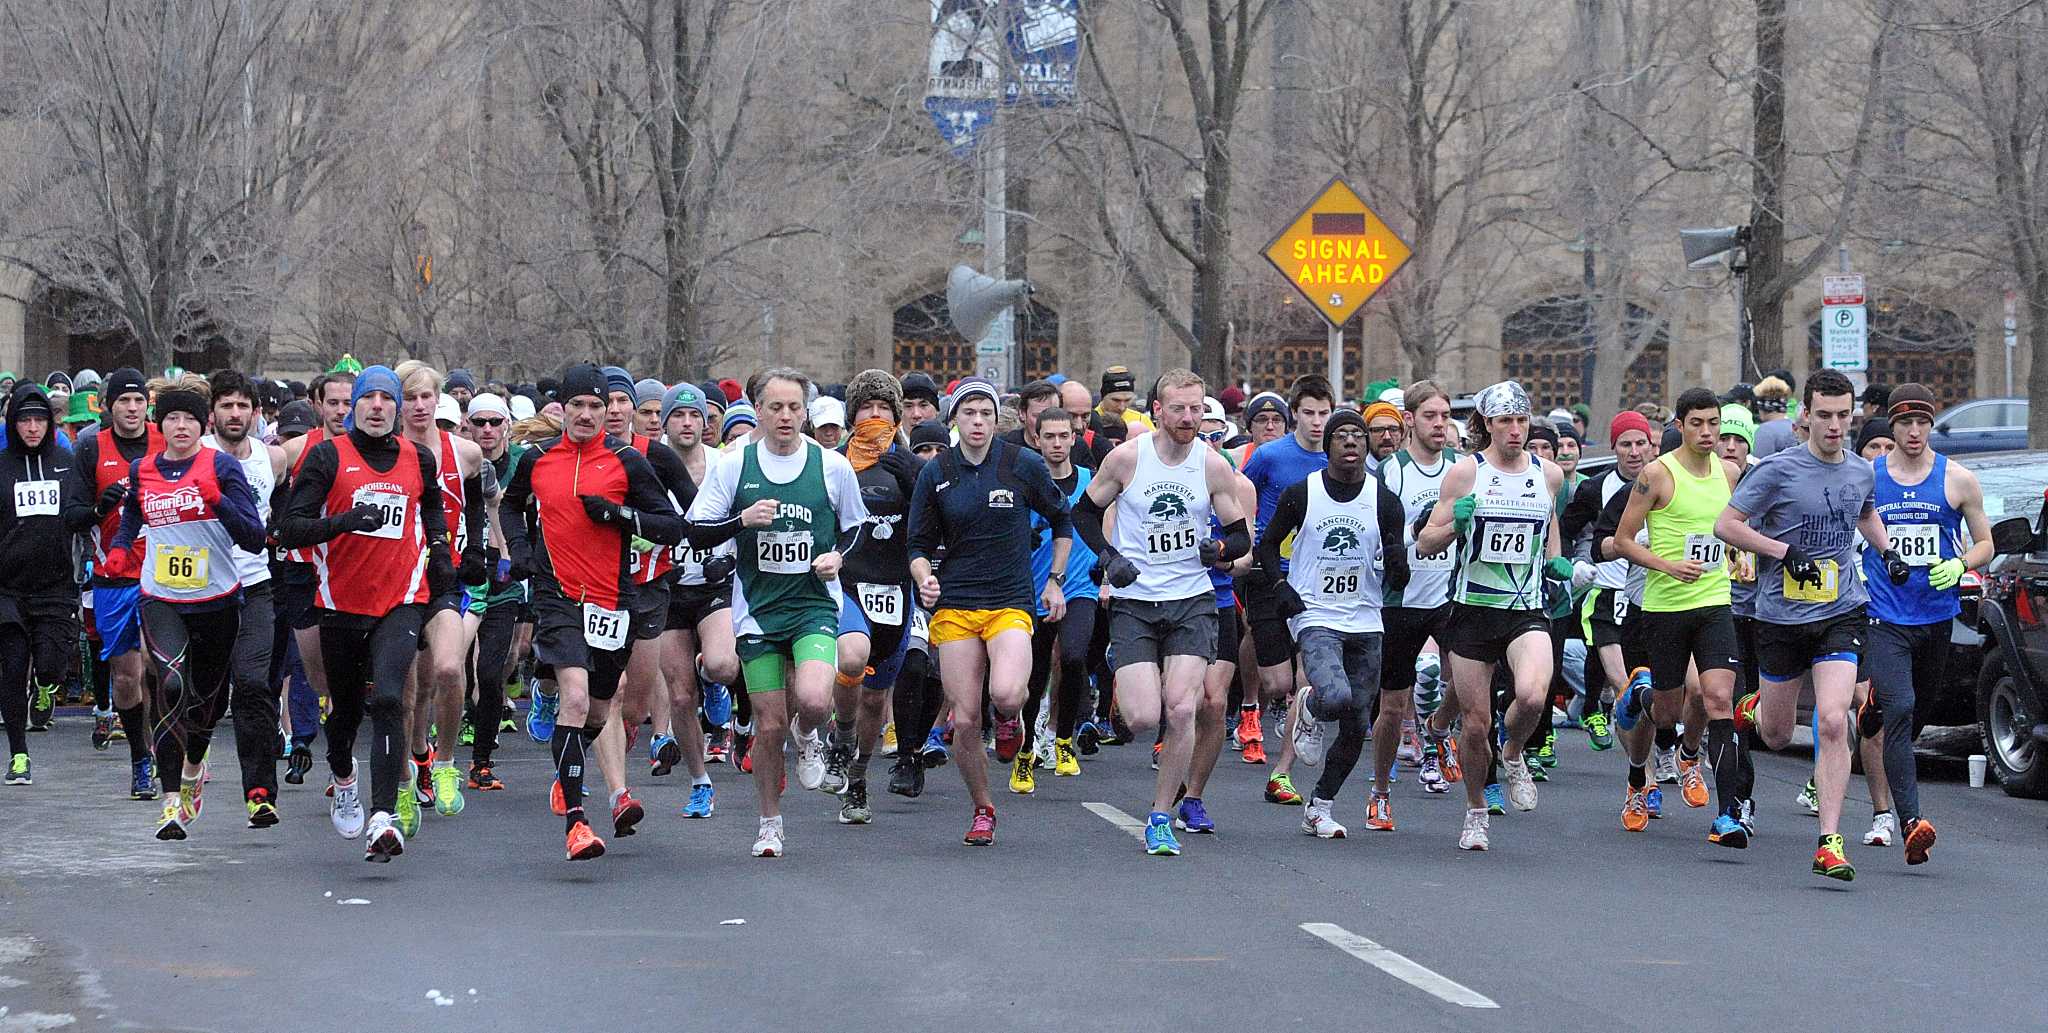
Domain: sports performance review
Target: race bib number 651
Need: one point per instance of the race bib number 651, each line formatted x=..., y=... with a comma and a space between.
x=602, y=628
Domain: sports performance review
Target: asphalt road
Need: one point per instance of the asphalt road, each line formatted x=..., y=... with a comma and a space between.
x=1568, y=923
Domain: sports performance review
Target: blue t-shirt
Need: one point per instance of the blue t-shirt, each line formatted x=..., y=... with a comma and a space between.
x=1277, y=466
x=1078, y=582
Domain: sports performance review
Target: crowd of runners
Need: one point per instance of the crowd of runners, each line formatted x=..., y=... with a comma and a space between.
x=685, y=575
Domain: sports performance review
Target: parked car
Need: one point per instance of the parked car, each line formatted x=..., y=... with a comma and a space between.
x=1983, y=425
x=2014, y=671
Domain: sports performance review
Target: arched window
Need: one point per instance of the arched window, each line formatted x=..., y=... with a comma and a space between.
x=926, y=341
x=1915, y=343
x=1543, y=345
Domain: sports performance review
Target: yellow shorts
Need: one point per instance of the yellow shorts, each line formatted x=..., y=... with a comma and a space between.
x=954, y=625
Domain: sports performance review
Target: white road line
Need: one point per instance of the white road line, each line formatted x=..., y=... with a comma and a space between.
x=1118, y=818
x=1397, y=965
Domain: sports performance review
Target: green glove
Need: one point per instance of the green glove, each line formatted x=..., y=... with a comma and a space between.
x=642, y=545
x=1461, y=513
x=1944, y=575
x=1559, y=568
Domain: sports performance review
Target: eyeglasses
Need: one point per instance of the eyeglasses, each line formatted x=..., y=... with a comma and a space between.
x=1383, y=430
x=487, y=423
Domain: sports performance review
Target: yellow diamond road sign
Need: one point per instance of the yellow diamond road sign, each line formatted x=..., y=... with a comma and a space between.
x=1337, y=253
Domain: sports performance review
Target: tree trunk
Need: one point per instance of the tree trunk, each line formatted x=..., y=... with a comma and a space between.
x=1767, y=176
x=2037, y=371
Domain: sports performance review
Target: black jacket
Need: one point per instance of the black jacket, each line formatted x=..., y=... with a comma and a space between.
x=35, y=551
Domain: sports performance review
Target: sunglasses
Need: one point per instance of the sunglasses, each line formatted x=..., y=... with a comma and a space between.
x=487, y=423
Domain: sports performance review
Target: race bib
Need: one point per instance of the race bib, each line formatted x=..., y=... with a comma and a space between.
x=882, y=603
x=691, y=562
x=1620, y=607
x=1441, y=559
x=35, y=498
x=602, y=628
x=1507, y=541
x=389, y=503
x=1704, y=549
x=1175, y=540
x=1808, y=592
x=783, y=552
x=1918, y=544
x=920, y=624
x=180, y=566
x=1336, y=582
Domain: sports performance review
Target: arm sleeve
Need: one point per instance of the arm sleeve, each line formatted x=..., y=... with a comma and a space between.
x=512, y=507
x=658, y=522
x=927, y=529
x=673, y=475
x=86, y=455
x=1393, y=540
x=238, y=512
x=473, y=512
x=301, y=523
x=1579, y=514
x=131, y=515
x=1287, y=514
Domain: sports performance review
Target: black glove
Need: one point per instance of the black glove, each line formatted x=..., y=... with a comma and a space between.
x=476, y=570
x=360, y=517
x=1118, y=571
x=1211, y=552
x=1895, y=566
x=605, y=511
x=441, y=573
x=111, y=499
x=1422, y=520
x=1286, y=601
x=1801, y=567
x=719, y=569
x=517, y=572
x=1256, y=578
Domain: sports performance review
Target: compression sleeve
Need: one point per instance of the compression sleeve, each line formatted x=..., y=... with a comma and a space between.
x=1087, y=520
x=1393, y=541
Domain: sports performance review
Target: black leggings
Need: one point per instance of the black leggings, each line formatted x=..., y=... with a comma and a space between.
x=1072, y=634
x=191, y=650
x=493, y=655
x=917, y=700
x=367, y=659
x=255, y=701
x=14, y=690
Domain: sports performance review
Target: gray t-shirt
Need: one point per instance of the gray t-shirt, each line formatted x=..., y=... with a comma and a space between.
x=1796, y=498
x=1774, y=437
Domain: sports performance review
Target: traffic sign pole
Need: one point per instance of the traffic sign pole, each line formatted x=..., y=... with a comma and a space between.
x=1337, y=360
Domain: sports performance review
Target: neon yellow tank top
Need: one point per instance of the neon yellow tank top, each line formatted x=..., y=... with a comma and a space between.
x=1684, y=529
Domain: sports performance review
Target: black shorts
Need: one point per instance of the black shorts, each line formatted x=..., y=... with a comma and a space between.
x=294, y=597
x=1272, y=644
x=689, y=605
x=1483, y=633
x=1143, y=632
x=1406, y=632
x=1612, y=617
x=1787, y=651
x=50, y=624
x=1703, y=637
x=1228, y=631
x=558, y=642
x=650, y=608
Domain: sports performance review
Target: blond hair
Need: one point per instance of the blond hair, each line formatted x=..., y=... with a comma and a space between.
x=416, y=375
x=1174, y=379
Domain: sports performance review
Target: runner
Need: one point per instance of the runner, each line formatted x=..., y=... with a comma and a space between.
x=41, y=506
x=801, y=505
x=1416, y=616
x=1909, y=624
x=299, y=582
x=1497, y=502
x=699, y=632
x=1810, y=502
x=1219, y=681
x=1061, y=645
x=1617, y=593
x=497, y=603
x=1163, y=607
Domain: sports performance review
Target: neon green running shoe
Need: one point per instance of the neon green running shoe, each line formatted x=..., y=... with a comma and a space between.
x=408, y=805
x=1600, y=736
x=447, y=790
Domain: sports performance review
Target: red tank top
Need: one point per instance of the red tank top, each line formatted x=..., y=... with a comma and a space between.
x=373, y=572
x=189, y=556
x=313, y=437
x=113, y=469
x=647, y=566
x=449, y=470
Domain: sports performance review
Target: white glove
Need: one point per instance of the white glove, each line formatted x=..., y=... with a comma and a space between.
x=1582, y=574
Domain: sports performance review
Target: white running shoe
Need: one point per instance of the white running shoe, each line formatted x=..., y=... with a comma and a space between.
x=1316, y=820
x=1473, y=837
x=1410, y=750
x=810, y=760
x=1884, y=828
x=384, y=840
x=346, y=810
x=769, y=842
x=1809, y=799
x=1664, y=766
x=1521, y=786
x=1309, y=739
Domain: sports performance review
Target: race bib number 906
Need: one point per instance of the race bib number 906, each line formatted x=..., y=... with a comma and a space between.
x=390, y=504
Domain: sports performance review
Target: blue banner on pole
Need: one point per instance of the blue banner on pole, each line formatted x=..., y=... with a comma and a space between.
x=990, y=53
x=960, y=120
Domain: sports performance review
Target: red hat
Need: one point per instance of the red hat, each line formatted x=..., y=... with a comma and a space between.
x=1625, y=421
x=1232, y=398
x=731, y=388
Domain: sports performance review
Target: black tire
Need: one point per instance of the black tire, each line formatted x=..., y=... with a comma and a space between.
x=2018, y=762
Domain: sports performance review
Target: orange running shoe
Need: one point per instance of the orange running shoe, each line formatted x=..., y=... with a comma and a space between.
x=1379, y=814
x=1831, y=860
x=1248, y=728
x=982, y=831
x=481, y=777
x=555, y=803
x=1693, y=781
x=1449, y=761
x=1745, y=713
x=626, y=813
x=583, y=843
x=1254, y=752
x=1635, y=809
x=1919, y=840
x=1280, y=789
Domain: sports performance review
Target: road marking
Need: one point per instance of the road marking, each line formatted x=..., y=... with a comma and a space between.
x=1118, y=818
x=1397, y=965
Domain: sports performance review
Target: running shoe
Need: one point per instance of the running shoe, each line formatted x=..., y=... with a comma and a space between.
x=626, y=813
x=888, y=748
x=1884, y=828
x=1692, y=779
x=1191, y=816
x=1521, y=784
x=717, y=703
x=42, y=707
x=1249, y=730
x=169, y=828
x=482, y=778
x=663, y=754
x=468, y=736
x=1635, y=808
x=408, y=804
x=1496, y=800
x=1230, y=731
x=447, y=790
x=1159, y=838
x=1410, y=750
x=1546, y=754
x=142, y=785
x=345, y=810
x=298, y=763
x=383, y=840
x=102, y=729
x=838, y=757
x=582, y=844
x=1431, y=775
x=1308, y=732
x=768, y=842
x=982, y=830
x=1832, y=860
x=1598, y=735
x=1065, y=763
x=1087, y=739
x=1379, y=813
x=935, y=753
x=1919, y=840
x=1316, y=821
x=556, y=805
x=1664, y=766
x=701, y=798
x=1022, y=782
x=1254, y=752
x=1537, y=772
x=1449, y=759
x=1654, y=801
x=1119, y=732
x=1280, y=790
x=1156, y=747
x=1634, y=701
x=853, y=804
x=810, y=760
x=262, y=813
x=1009, y=739
x=191, y=802
x=718, y=746
x=906, y=779
x=421, y=774
x=18, y=773
x=1473, y=835
x=1729, y=831
x=1745, y=713
x=540, y=716
x=1809, y=798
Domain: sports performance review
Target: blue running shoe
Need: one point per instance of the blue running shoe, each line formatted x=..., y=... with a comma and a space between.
x=934, y=753
x=1729, y=831
x=1654, y=800
x=1634, y=700
x=663, y=754
x=717, y=704
x=144, y=785
x=1159, y=837
x=1496, y=801
x=540, y=717
x=700, y=801
x=1190, y=817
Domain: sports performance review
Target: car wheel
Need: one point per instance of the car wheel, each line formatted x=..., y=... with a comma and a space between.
x=2016, y=760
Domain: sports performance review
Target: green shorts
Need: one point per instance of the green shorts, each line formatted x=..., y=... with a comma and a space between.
x=762, y=656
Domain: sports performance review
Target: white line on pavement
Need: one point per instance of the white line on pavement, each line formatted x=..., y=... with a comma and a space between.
x=1118, y=818
x=1397, y=965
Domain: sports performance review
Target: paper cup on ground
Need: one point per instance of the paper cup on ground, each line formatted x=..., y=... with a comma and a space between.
x=1977, y=766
